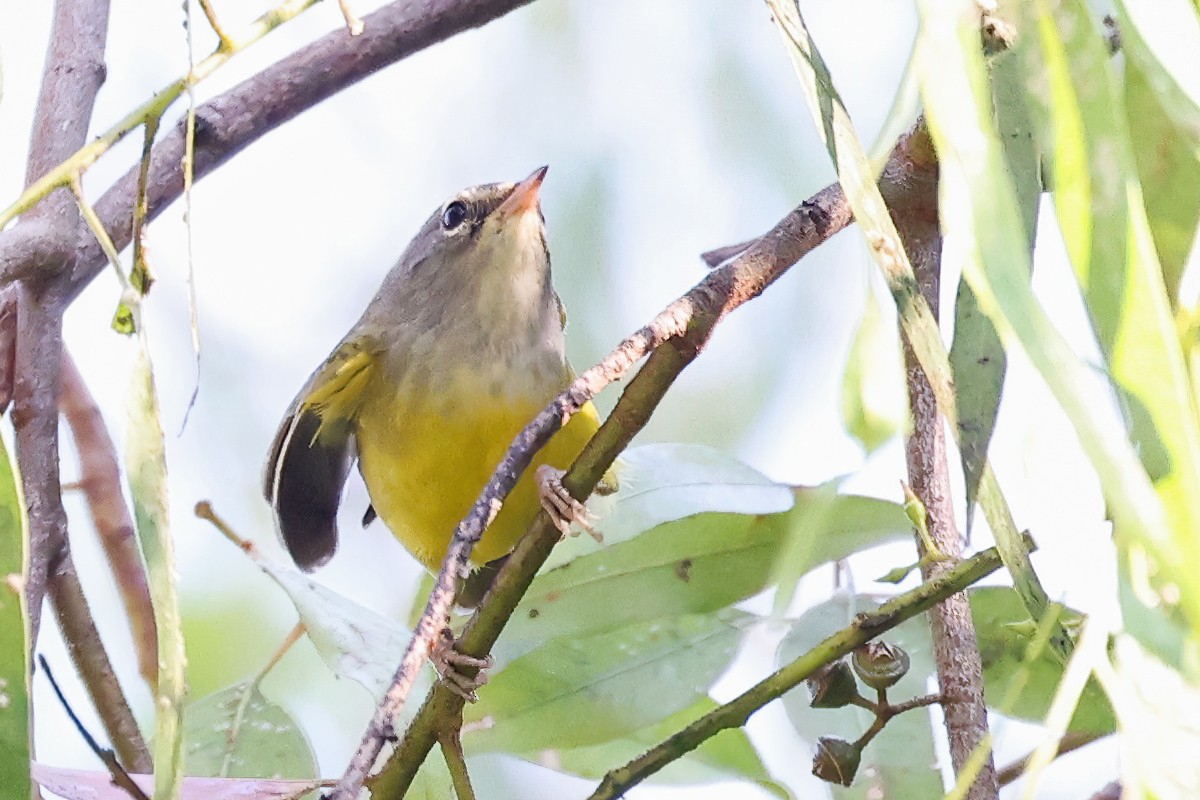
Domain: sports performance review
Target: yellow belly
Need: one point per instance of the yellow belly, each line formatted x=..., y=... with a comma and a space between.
x=425, y=462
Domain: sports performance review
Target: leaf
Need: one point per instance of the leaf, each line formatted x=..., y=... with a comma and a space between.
x=581, y=691
x=432, y=781
x=694, y=565
x=718, y=758
x=977, y=355
x=77, y=784
x=901, y=761
x=1005, y=633
x=978, y=209
x=1109, y=240
x=665, y=482
x=871, y=213
x=239, y=733
x=1163, y=38
x=353, y=641
x=825, y=526
x=698, y=564
x=146, y=468
x=874, y=407
x=1167, y=154
x=14, y=648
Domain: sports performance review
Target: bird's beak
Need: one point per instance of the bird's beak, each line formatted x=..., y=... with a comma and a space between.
x=524, y=195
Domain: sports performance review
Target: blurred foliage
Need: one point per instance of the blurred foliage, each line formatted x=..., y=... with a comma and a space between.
x=14, y=650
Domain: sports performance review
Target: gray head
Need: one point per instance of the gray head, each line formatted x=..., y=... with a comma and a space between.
x=480, y=259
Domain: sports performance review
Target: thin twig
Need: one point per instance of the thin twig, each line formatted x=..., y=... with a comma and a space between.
x=97, y=228
x=94, y=667
x=239, y=714
x=120, y=776
x=735, y=713
x=100, y=479
x=229, y=122
x=456, y=762
x=225, y=43
x=353, y=24
x=914, y=207
x=70, y=165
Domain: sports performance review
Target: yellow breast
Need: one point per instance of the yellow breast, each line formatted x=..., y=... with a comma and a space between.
x=425, y=459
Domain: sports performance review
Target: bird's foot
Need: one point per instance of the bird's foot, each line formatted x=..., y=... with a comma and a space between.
x=561, y=506
x=449, y=665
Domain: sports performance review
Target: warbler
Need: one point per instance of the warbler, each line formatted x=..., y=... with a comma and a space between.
x=460, y=348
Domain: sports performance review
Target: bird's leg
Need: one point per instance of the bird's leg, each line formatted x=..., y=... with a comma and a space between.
x=447, y=662
x=558, y=503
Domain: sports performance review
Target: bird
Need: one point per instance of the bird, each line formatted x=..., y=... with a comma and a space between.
x=462, y=345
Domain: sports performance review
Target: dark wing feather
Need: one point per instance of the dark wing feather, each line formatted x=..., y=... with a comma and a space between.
x=304, y=480
x=313, y=452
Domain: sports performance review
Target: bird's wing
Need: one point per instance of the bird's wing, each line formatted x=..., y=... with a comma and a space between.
x=314, y=450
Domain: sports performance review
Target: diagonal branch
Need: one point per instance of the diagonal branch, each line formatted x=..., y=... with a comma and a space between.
x=100, y=479
x=231, y=121
x=684, y=326
x=735, y=713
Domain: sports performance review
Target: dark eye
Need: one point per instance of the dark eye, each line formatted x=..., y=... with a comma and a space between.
x=454, y=215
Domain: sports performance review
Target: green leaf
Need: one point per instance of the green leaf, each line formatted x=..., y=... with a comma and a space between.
x=977, y=355
x=698, y=564
x=665, y=482
x=730, y=755
x=14, y=648
x=1167, y=157
x=824, y=526
x=978, y=209
x=917, y=321
x=901, y=759
x=146, y=468
x=694, y=565
x=1163, y=38
x=1005, y=634
x=432, y=781
x=581, y=691
x=239, y=733
x=1109, y=240
x=874, y=406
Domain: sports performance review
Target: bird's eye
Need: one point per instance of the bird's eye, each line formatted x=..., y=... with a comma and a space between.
x=454, y=215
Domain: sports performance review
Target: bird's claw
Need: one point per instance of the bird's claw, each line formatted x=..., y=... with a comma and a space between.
x=561, y=506
x=448, y=662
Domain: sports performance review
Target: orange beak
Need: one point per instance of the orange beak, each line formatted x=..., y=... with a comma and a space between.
x=524, y=195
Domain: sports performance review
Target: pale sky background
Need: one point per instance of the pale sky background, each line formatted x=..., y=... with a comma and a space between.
x=670, y=127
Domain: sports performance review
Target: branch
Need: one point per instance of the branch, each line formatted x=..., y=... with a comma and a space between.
x=912, y=198
x=72, y=76
x=736, y=712
x=100, y=478
x=119, y=774
x=94, y=668
x=231, y=121
x=687, y=322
